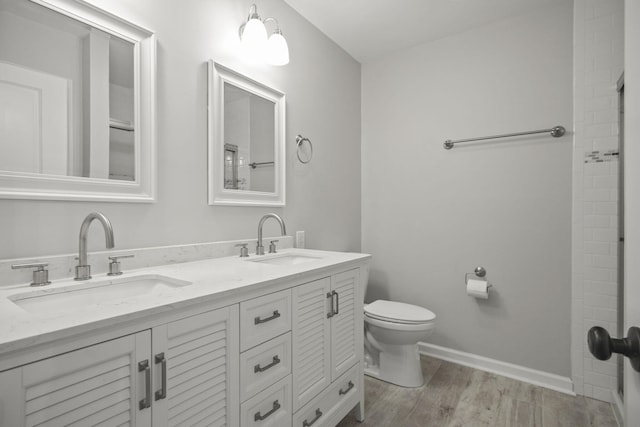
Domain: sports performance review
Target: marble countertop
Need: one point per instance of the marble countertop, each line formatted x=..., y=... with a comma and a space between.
x=211, y=279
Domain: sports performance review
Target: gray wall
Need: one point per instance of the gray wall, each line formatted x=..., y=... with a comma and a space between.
x=431, y=215
x=322, y=84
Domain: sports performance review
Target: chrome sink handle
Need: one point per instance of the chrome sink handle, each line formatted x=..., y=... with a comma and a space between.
x=40, y=275
x=114, y=264
x=244, y=251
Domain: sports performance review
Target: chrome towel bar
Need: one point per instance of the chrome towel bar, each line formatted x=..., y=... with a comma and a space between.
x=556, y=132
x=256, y=164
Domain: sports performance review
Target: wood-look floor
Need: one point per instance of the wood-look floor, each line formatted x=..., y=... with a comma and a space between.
x=455, y=395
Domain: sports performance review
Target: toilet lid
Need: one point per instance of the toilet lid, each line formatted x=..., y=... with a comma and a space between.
x=398, y=312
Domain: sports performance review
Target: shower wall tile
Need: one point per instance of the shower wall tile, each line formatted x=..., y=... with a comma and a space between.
x=598, y=63
x=601, y=221
x=601, y=288
x=609, y=368
x=602, y=393
x=605, y=315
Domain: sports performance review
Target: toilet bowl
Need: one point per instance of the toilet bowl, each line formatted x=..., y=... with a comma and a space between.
x=392, y=332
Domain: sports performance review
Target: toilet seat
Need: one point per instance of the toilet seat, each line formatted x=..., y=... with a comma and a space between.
x=398, y=312
x=399, y=327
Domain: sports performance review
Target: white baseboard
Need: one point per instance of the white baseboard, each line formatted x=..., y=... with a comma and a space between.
x=520, y=373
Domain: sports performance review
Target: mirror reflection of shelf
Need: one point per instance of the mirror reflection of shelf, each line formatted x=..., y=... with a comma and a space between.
x=121, y=125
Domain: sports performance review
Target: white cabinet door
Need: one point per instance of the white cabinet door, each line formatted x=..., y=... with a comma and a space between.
x=97, y=385
x=196, y=372
x=192, y=379
x=311, y=340
x=345, y=336
x=327, y=340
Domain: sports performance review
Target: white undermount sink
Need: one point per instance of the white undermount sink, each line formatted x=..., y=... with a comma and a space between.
x=284, y=259
x=92, y=294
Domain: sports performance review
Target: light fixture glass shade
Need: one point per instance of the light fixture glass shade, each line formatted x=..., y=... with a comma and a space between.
x=254, y=38
x=277, y=49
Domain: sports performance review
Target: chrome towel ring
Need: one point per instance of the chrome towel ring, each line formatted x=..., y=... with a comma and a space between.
x=304, y=149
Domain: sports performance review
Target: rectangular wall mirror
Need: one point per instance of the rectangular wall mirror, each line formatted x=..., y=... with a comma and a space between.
x=246, y=140
x=77, y=103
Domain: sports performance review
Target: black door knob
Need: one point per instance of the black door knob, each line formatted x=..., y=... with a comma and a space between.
x=601, y=345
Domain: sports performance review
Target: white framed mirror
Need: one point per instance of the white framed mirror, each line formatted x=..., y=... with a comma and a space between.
x=77, y=103
x=246, y=140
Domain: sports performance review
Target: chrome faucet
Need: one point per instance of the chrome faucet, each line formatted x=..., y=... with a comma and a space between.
x=259, y=247
x=83, y=270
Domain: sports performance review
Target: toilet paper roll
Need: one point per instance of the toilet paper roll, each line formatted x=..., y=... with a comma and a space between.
x=478, y=288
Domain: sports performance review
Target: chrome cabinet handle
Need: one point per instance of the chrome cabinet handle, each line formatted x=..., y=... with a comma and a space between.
x=316, y=418
x=257, y=368
x=331, y=311
x=162, y=393
x=144, y=367
x=335, y=309
x=258, y=417
x=349, y=387
x=258, y=320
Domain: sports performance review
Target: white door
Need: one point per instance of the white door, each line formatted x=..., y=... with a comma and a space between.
x=632, y=200
x=34, y=124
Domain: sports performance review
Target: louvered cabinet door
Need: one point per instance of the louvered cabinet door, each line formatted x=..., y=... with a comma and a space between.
x=311, y=340
x=100, y=385
x=196, y=372
x=346, y=343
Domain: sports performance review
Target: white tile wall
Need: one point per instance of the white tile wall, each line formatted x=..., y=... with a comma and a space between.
x=598, y=63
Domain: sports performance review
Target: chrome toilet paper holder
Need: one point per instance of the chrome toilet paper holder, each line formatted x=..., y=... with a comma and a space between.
x=480, y=272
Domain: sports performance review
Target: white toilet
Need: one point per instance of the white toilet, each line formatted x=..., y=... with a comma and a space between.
x=392, y=331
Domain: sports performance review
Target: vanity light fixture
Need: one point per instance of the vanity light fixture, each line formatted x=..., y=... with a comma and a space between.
x=253, y=39
x=277, y=48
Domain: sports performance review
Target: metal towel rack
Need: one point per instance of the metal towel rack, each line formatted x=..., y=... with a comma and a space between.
x=556, y=132
x=256, y=164
x=121, y=125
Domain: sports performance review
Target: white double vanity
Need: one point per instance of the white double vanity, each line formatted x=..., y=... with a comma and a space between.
x=187, y=336
x=273, y=340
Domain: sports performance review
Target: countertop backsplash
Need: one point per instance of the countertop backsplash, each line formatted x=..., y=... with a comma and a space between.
x=63, y=266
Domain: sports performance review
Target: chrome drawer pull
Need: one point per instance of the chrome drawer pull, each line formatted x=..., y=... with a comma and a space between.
x=257, y=368
x=331, y=310
x=144, y=367
x=349, y=387
x=258, y=320
x=162, y=393
x=258, y=417
x=317, y=417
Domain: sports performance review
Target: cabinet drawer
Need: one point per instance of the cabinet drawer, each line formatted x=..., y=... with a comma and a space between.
x=333, y=403
x=264, y=318
x=272, y=407
x=264, y=364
